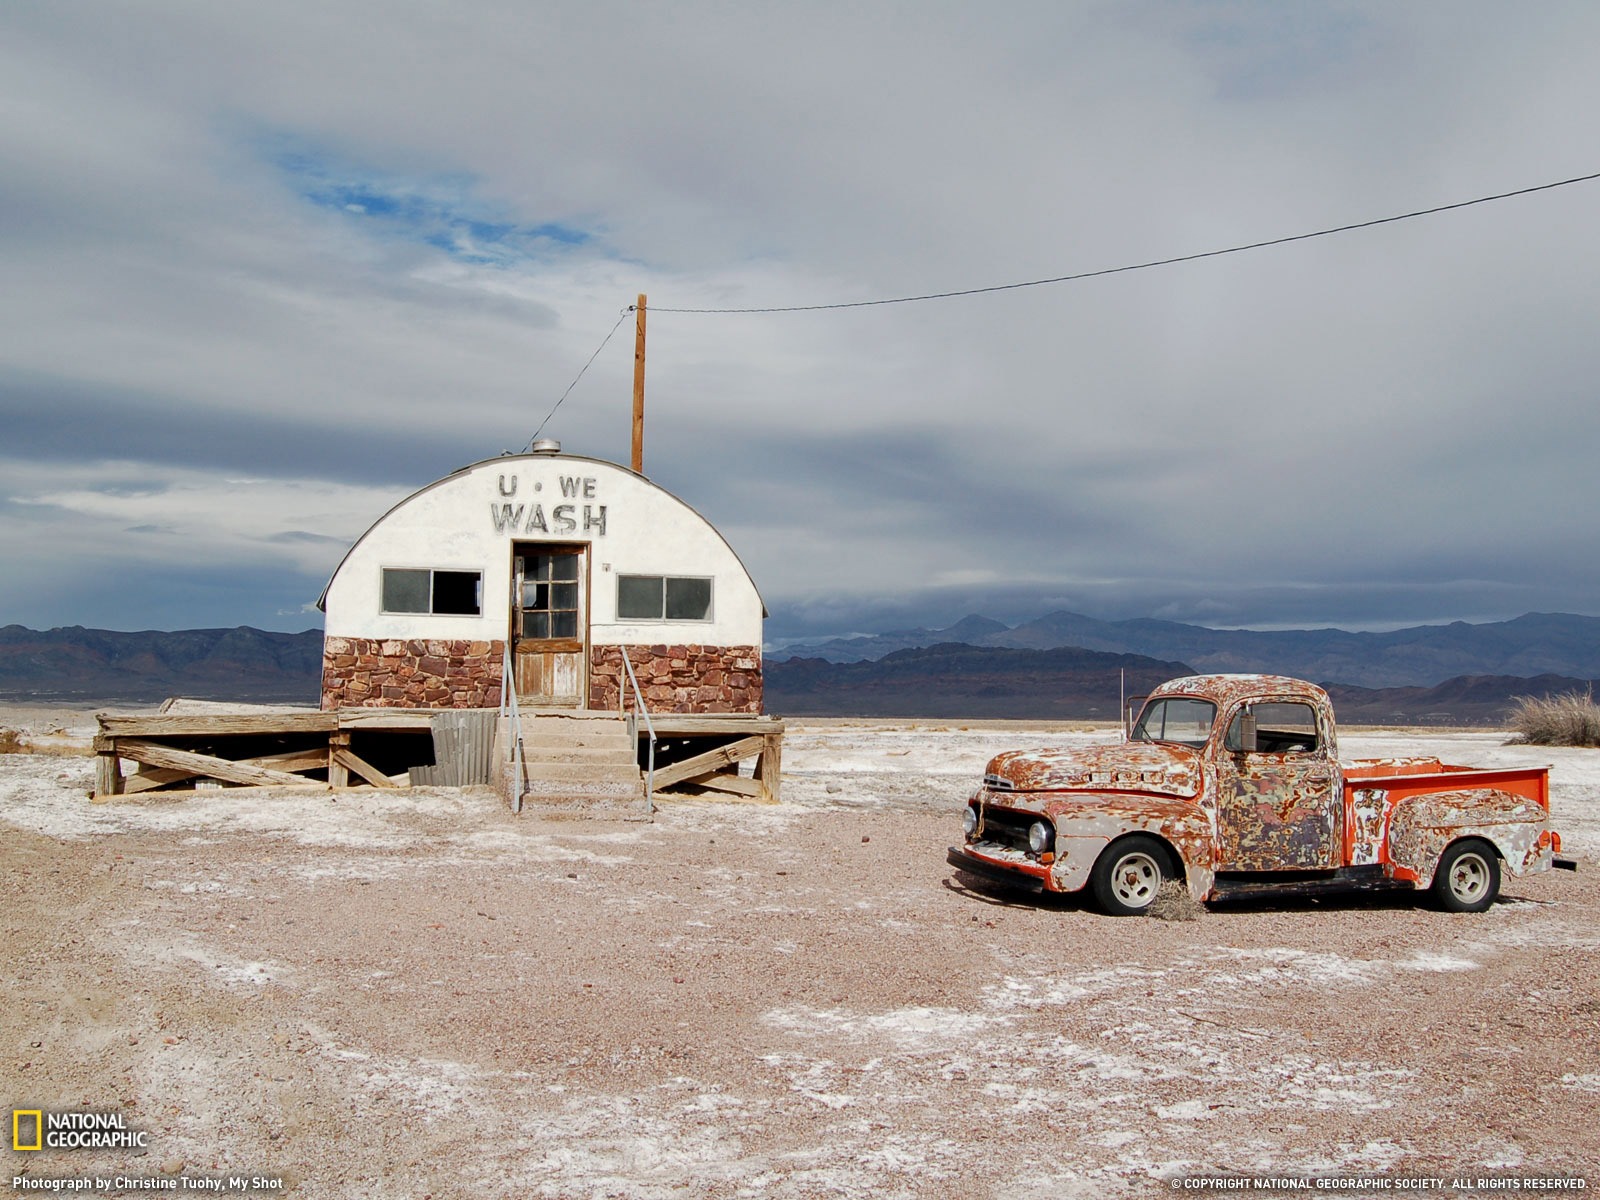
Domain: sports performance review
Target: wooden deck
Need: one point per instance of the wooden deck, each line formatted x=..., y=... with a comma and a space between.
x=172, y=752
x=696, y=755
x=701, y=754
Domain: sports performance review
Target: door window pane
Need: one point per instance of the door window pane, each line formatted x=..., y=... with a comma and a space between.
x=552, y=596
x=688, y=599
x=405, y=591
x=639, y=597
x=1281, y=728
x=458, y=592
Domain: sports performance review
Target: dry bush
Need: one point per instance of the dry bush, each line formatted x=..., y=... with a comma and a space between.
x=11, y=742
x=1571, y=719
x=1174, y=903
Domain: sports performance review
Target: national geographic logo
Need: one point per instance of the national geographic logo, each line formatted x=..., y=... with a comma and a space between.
x=36, y=1129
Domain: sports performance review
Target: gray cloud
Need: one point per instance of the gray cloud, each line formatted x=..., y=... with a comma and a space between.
x=56, y=420
x=268, y=243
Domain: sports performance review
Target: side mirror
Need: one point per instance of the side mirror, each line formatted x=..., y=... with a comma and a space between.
x=1242, y=733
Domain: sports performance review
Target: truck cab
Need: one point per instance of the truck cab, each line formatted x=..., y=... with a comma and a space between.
x=1232, y=785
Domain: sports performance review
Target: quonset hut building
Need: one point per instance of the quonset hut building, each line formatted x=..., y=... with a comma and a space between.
x=541, y=570
x=572, y=562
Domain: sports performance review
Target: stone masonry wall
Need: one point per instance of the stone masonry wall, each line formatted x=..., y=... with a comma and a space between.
x=683, y=679
x=401, y=673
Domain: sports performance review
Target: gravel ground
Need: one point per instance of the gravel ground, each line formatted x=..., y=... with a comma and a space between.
x=416, y=994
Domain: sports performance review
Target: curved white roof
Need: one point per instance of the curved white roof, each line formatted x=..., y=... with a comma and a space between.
x=468, y=520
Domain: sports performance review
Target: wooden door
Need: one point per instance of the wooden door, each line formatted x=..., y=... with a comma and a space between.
x=550, y=625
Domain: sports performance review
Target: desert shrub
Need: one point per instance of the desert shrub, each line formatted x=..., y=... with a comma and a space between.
x=1174, y=903
x=1571, y=719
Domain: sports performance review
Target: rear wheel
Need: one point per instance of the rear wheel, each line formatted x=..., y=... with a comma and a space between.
x=1128, y=874
x=1468, y=878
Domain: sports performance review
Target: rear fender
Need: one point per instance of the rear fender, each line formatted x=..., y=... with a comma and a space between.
x=1423, y=827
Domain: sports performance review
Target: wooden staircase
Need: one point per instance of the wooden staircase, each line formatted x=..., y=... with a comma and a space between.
x=577, y=759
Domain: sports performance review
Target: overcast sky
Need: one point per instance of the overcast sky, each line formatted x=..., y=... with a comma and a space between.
x=271, y=268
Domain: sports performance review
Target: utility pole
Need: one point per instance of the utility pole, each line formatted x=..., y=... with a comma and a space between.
x=638, y=389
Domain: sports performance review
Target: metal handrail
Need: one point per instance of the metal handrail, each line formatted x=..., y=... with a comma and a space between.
x=508, y=708
x=633, y=728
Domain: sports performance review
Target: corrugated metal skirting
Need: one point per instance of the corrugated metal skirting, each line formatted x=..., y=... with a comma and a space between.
x=463, y=748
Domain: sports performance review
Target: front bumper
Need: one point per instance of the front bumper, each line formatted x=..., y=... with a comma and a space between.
x=1013, y=877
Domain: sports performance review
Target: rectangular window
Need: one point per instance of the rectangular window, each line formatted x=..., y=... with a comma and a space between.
x=663, y=598
x=443, y=593
x=551, y=596
x=1281, y=728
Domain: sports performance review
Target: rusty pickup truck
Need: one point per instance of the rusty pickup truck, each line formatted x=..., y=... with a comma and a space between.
x=1233, y=785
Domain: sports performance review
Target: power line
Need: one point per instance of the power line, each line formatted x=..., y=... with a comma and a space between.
x=1143, y=266
x=623, y=316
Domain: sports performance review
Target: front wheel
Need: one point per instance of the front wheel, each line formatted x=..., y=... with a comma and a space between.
x=1127, y=876
x=1468, y=878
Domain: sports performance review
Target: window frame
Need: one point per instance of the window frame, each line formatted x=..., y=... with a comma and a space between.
x=431, y=610
x=711, y=599
x=1163, y=701
x=1233, y=742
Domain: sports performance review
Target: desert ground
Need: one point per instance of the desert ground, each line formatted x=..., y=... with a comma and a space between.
x=418, y=994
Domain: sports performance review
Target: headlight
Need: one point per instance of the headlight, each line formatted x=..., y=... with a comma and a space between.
x=1041, y=836
x=969, y=822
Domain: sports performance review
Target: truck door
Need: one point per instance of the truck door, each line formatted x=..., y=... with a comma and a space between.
x=1280, y=803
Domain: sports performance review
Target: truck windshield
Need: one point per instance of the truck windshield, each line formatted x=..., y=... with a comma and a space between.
x=1187, y=722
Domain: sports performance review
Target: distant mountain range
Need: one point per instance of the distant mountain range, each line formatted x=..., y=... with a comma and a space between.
x=1423, y=656
x=950, y=680
x=953, y=681
x=75, y=665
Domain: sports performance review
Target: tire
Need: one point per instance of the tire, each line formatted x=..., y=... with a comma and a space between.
x=1128, y=874
x=1468, y=877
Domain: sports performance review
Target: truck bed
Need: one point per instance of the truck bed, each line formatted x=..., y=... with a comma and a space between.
x=1405, y=777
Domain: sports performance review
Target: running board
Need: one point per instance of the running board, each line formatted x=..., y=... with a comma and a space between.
x=1238, y=884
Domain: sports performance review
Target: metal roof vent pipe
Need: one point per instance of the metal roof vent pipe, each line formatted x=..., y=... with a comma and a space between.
x=546, y=446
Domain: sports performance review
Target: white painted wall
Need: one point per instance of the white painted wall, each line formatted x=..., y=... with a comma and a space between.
x=469, y=521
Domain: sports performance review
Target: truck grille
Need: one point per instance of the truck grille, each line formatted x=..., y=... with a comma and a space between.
x=1007, y=827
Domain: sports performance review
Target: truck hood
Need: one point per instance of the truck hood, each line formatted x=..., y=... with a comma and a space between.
x=1148, y=767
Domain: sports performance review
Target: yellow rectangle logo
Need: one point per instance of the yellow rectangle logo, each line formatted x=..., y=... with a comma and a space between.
x=17, y=1115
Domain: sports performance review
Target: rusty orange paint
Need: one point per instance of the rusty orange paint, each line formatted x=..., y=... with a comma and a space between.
x=1245, y=799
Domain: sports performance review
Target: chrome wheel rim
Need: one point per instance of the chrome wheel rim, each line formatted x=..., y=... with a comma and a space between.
x=1469, y=878
x=1135, y=880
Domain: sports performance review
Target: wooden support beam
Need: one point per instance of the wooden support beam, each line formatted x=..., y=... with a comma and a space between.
x=364, y=769
x=155, y=777
x=174, y=726
x=314, y=759
x=186, y=793
x=738, y=785
x=107, y=773
x=157, y=755
x=338, y=773
x=707, y=723
x=710, y=761
x=384, y=718
x=769, y=767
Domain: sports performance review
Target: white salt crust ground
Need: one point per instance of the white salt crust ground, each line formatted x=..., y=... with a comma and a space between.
x=418, y=994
